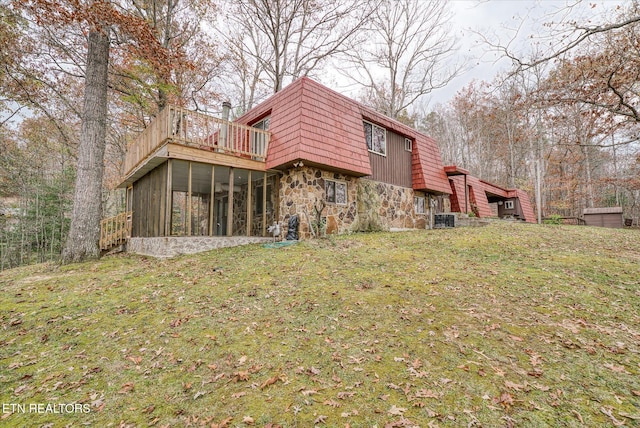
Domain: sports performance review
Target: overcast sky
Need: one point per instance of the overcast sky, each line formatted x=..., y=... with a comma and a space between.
x=506, y=20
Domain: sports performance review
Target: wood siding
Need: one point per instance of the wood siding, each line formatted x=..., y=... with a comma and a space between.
x=395, y=167
x=149, y=203
x=612, y=220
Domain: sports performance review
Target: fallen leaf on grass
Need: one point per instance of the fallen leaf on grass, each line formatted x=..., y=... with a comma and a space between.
x=616, y=369
x=512, y=385
x=127, y=387
x=149, y=409
x=241, y=376
x=223, y=424
x=238, y=394
x=629, y=416
x=505, y=399
x=426, y=393
x=19, y=390
x=344, y=394
x=396, y=411
x=270, y=381
x=248, y=420
x=136, y=360
x=308, y=392
x=332, y=403
x=636, y=393
x=609, y=413
x=578, y=415
x=322, y=419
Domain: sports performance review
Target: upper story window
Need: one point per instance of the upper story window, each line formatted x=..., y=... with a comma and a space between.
x=263, y=124
x=376, y=137
x=408, y=144
x=508, y=205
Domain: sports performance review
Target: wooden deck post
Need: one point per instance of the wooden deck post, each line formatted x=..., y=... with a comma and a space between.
x=189, y=202
x=169, y=199
x=212, y=200
x=264, y=203
x=230, y=207
x=249, y=204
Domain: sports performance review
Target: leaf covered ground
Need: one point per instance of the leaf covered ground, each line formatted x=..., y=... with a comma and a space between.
x=506, y=325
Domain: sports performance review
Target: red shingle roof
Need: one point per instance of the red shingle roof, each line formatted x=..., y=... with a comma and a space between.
x=480, y=189
x=320, y=126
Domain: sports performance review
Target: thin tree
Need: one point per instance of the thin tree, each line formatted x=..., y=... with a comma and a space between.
x=408, y=54
x=299, y=35
x=95, y=19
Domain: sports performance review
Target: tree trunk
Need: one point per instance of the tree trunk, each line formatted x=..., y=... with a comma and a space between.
x=84, y=233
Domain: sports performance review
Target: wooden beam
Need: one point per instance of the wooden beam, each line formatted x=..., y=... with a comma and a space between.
x=169, y=202
x=249, y=204
x=212, y=200
x=230, y=207
x=199, y=155
x=264, y=204
x=189, y=203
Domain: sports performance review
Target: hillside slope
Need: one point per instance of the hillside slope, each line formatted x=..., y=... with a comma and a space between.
x=505, y=325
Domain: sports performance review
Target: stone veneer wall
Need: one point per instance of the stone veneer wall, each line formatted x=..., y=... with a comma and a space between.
x=383, y=206
x=303, y=187
x=371, y=205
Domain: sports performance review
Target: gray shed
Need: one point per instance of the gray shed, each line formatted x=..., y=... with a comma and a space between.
x=603, y=217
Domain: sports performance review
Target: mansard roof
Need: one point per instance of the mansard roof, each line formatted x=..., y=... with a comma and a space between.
x=321, y=127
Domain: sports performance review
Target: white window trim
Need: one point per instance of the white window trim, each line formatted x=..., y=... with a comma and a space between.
x=346, y=192
x=509, y=205
x=373, y=126
x=408, y=144
x=416, y=205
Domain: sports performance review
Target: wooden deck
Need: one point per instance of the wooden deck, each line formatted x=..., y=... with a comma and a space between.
x=197, y=130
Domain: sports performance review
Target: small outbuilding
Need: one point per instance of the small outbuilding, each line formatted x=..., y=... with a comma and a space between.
x=603, y=217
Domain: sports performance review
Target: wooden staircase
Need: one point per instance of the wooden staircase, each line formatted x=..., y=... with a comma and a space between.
x=115, y=231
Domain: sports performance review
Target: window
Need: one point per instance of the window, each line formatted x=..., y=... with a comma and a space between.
x=419, y=205
x=408, y=144
x=336, y=192
x=263, y=124
x=376, y=137
x=258, y=144
x=508, y=205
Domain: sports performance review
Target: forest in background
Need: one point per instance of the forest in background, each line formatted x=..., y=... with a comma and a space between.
x=561, y=124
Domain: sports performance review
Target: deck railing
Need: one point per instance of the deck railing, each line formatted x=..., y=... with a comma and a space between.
x=198, y=130
x=115, y=230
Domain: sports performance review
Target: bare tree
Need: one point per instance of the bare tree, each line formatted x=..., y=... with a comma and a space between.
x=408, y=54
x=281, y=40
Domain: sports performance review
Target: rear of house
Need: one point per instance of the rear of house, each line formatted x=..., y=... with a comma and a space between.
x=307, y=151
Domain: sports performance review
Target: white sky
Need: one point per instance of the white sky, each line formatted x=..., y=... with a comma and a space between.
x=500, y=20
x=503, y=20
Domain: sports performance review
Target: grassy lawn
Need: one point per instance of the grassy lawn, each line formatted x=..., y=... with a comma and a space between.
x=506, y=325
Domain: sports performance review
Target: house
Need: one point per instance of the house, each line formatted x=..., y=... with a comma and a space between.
x=307, y=151
x=472, y=195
